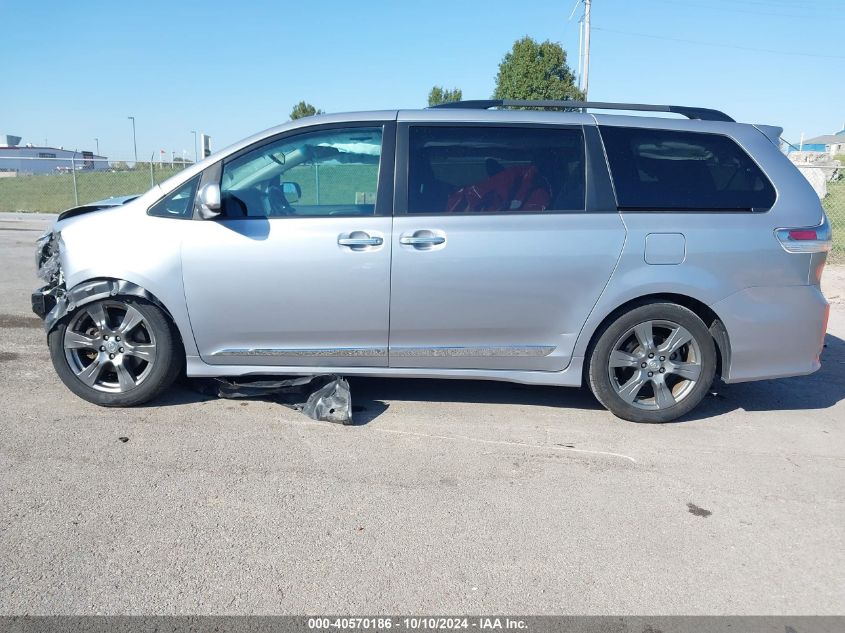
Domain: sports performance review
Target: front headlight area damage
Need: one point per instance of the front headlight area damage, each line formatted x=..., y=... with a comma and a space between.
x=49, y=269
x=47, y=262
x=54, y=300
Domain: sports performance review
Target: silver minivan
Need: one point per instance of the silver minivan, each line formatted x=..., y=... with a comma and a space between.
x=640, y=255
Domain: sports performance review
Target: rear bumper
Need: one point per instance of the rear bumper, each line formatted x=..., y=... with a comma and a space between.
x=774, y=332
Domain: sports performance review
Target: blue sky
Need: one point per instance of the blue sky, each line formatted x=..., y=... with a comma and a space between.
x=73, y=71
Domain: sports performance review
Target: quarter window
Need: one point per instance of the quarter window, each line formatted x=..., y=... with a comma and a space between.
x=683, y=171
x=478, y=169
x=179, y=203
x=326, y=173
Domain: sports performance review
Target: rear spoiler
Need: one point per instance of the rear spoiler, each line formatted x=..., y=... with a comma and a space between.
x=771, y=132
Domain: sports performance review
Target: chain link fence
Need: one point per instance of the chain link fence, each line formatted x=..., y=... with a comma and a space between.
x=834, y=205
x=50, y=185
x=53, y=185
x=828, y=180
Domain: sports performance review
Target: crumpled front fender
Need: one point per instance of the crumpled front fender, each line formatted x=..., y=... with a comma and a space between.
x=88, y=292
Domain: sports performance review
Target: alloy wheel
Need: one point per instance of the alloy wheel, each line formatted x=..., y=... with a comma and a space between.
x=110, y=346
x=655, y=364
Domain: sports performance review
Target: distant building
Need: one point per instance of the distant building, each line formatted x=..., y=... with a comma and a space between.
x=831, y=144
x=29, y=159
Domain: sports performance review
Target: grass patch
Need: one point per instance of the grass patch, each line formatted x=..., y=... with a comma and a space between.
x=51, y=193
x=338, y=184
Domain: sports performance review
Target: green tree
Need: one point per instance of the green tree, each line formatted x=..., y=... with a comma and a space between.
x=303, y=109
x=439, y=95
x=533, y=70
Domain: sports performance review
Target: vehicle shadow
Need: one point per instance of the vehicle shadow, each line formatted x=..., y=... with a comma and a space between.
x=821, y=390
x=182, y=392
x=368, y=392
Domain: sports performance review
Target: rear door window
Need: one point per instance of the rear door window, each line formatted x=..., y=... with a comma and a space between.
x=481, y=169
x=671, y=170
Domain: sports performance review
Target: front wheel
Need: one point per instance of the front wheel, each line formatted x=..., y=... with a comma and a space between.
x=117, y=352
x=653, y=364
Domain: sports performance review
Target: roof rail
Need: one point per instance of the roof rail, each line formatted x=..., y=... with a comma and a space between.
x=704, y=114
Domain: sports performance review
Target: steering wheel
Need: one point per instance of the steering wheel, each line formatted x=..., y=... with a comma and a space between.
x=279, y=204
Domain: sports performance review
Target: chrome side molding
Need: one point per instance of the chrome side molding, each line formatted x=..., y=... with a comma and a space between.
x=509, y=350
x=380, y=352
x=309, y=353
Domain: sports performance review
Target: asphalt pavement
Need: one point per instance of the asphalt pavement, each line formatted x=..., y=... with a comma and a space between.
x=446, y=497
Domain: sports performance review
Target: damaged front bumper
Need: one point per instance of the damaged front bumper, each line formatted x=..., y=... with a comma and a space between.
x=325, y=398
x=48, y=268
x=43, y=300
x=53, y=301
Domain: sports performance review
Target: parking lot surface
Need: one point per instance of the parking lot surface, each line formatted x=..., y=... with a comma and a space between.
x=446, y=497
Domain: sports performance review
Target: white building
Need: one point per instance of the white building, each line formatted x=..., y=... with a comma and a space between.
x=29, y=159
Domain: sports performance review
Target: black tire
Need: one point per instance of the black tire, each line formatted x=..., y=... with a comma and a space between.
x=166, y=366
x=662, y=380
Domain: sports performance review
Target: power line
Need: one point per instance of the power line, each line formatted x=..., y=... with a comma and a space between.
x=734, y=46
x=749, y=10
x=768, y=4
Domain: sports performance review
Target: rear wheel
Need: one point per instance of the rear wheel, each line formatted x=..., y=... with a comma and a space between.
x=118, y=352
x=653, y=364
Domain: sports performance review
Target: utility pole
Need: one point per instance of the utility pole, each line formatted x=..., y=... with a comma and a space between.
x=196, y=154
x=97, y=141
x=585, y=73
x=134, y=141
x=580, y=52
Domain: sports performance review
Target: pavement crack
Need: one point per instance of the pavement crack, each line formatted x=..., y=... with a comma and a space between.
x=479, y=440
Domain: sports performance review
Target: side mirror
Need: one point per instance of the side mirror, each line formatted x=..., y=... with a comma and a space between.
x=292, y=191
x=209, y=199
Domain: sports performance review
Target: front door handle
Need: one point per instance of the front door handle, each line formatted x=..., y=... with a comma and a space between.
x=360, y=241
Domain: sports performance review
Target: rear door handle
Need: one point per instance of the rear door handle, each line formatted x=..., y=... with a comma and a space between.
x=425, y=240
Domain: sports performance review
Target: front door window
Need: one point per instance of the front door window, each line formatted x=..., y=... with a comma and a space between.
x=317, y=174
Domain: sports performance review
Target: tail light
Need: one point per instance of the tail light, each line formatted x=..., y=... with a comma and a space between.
x=812, y=239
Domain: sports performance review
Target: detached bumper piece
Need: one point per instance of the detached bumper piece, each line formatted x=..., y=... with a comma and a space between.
x=43, y=301
x=324, y=398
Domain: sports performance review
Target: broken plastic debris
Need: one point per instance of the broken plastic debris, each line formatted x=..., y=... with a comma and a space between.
x=324, y=398
x=47, y=257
